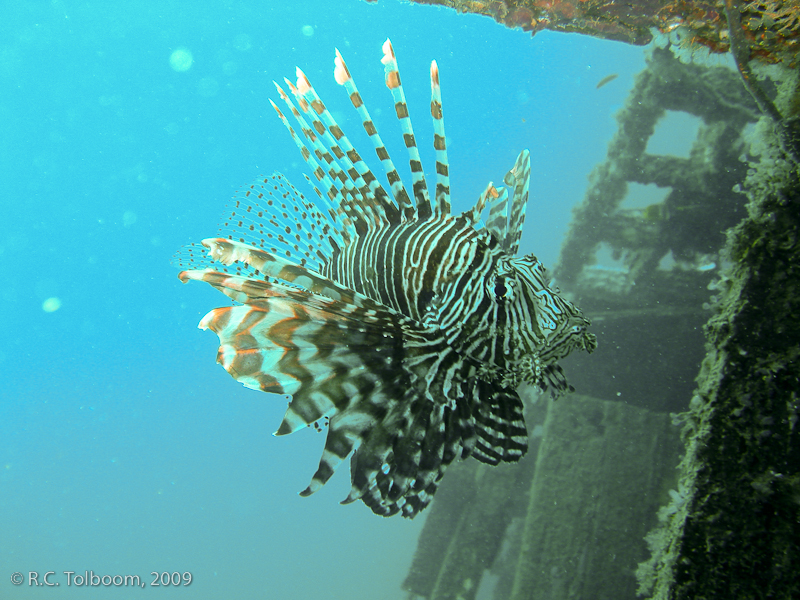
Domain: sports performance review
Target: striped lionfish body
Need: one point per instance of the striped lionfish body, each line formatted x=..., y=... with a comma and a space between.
x=402, y=328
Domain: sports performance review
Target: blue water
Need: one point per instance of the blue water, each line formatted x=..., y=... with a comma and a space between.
x=123, y=448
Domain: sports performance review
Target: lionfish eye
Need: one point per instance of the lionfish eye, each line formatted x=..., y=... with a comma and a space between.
x=500, y=289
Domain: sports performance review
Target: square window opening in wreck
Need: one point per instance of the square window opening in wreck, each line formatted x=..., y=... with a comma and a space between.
x=675, y=134
x=608, y=259
x=667, y=262
x=641, y=197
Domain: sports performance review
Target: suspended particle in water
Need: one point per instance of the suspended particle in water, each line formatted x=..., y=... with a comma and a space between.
x=181, y=60
x=51, y=304
x=307, y=30
x=207, y=87
x=129, y=218
x=242, y=42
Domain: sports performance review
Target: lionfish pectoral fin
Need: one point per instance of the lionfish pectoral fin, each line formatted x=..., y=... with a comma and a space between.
x=337, y=360
x=266, y=264
x=240, y=289
x=352, y=427
x=351, y=497
x=378, y=453
x=403, y=456
x=337, y=447
x=419, y=460
x=554, y=379
x=499, y=423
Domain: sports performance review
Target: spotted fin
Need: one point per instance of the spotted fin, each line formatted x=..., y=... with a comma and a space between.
x=271, y=215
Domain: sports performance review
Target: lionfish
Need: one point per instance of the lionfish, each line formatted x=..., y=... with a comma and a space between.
x=404, y=329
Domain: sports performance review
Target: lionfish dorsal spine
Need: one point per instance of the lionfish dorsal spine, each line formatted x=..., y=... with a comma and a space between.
x=490, y=196
x=419, y=185
x=506, y=217
x=519, y=179
x=342, y=184
x=367, y=199
x=316, y=168
x=497, y=221
x=345, y=200
x=358, y=171
x=399, y=192
x=442, y=206
x=344, y=229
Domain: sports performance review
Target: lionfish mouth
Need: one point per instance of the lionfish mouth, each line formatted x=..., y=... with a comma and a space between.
x=347, y=300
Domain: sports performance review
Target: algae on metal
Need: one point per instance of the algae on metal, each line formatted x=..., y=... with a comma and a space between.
x=691, y=26
x=734, y=530
x=701, y=204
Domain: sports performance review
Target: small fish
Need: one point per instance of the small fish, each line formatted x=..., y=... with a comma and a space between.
x=607, y=79
x=403, y=329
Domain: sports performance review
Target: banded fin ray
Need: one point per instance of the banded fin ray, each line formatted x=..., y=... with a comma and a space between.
x=499, y=423
x=343, y=77
x=333, y=196
x=399, y=467
x=228, y=252
x=506, y=218
x=495, y=432
x=346, y=190
x=519, y=179
x=442, y=206
x=372, y=195
x=419, y=185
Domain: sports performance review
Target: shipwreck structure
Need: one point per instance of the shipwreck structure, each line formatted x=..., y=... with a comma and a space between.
x=677, y=473
x=772, y=27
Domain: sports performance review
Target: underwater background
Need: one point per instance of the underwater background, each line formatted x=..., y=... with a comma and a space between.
x=125, y=129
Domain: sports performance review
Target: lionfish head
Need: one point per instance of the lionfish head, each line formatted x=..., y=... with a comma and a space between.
x=537, y=324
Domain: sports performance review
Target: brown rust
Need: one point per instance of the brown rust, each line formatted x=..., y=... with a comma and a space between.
x=771, y=26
